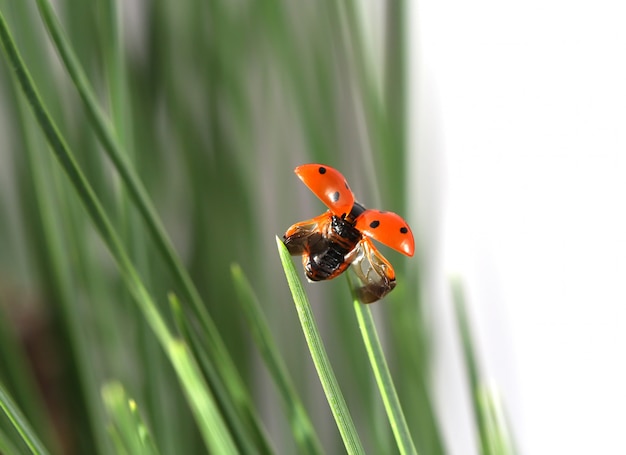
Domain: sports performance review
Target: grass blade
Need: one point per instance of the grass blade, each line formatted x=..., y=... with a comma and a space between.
x=383, y=378
x=243, y=437
x=106, y=135
x=499, y=438
x=200, y=400
x=301, y=426
x=494, y=436
x=128, y=429
x=7, y=445
x=20, y=423
x=14, y=375
x=139, y=196
x=210, y=422
x=320, y=358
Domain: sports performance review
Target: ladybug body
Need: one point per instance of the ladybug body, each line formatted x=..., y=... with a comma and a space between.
x=328, y=249
x=340, y=238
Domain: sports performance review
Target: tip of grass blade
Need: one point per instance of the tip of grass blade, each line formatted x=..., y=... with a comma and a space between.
x=302, y=428
x=128, y=430
x=294, y=282
x=318, y=353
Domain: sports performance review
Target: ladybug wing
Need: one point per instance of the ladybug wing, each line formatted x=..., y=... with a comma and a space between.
x=329, y=185
x=375, y=277
x=300, y=237
x=388, y=228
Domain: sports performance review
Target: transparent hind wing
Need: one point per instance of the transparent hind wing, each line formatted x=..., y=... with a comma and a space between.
x=373, y=276
x=302, y=236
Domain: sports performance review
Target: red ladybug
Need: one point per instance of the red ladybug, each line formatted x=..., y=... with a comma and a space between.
x=341, y=237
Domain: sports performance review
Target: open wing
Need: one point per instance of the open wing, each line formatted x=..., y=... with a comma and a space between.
x=388, y=228
x=307, y=236
x=329, y=185
x=373, y=276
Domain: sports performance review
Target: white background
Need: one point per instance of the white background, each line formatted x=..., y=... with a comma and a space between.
x=519, y=108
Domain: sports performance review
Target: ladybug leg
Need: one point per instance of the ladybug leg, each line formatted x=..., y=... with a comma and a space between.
x=300, y=237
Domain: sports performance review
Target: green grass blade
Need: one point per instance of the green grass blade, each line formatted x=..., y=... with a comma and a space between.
x=471, y=366
x=20, y=423
x=383, y=378
x=499, y=438
x=202, y=404
x=301, y=426
x=494, y=436
x=128, y=429
x=139, y=196
x=320, y=358
x=242, y=434
x=111, y=145
x=204, y=408
x=107, y=137
x=7, y=445
x=14, y=374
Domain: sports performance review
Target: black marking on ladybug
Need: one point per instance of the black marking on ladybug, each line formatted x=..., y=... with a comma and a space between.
x=335, y=196
x=374, y=224
x=322, y=170
x=403, y=230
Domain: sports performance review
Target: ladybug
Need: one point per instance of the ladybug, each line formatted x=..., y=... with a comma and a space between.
x=341, y=237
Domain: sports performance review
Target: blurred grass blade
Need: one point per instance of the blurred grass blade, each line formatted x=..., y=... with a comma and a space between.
x=244, y=436
x=202, y=404
x=20, y=423
x=383, y=377
x=470, y=365
x=14, y=374
x=212, y=427
x=301, y=426
x=111, y=145
x=208, y=418
x=493, y=433
x=500, y=441
x=139, y=196
x=318, y=353
x=129, y=431
x=7, y=445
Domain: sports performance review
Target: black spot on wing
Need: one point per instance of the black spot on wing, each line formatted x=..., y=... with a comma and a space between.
x=335, y=196
x=403, y=230
x=374, y=224
x=322, y=170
